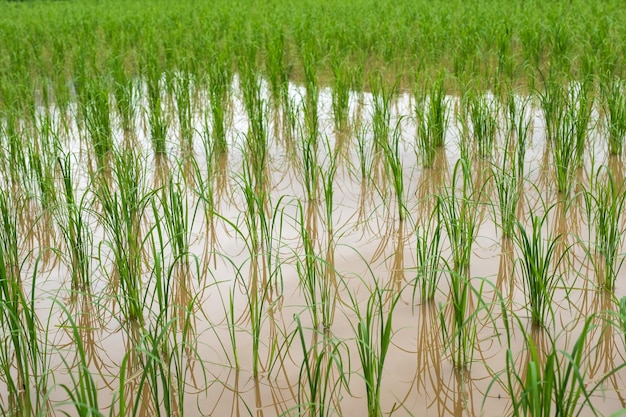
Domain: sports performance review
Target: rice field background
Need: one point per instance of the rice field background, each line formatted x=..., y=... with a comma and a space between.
x=324, y=208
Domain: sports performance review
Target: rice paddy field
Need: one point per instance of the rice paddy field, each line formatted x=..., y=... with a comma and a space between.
x=312, y=208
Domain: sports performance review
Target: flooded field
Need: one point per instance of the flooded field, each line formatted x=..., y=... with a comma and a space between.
x=322, y=209
x=298, y=269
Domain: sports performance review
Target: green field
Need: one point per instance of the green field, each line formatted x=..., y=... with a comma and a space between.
x=312, y=208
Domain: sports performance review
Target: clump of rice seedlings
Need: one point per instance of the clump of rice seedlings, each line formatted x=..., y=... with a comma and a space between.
x=125, y=94
x=373, y=338
x=74, y=228
x=538, y=263
x=96, y=113
x=519, y=129
x=614, y=98
x=483, y=114
x=431, y=116
x=219, y=82
x=322, y=373
x=123, y=203
x=83, y=391
x=184, y=109
x=340, y=92
x=256, y=147
x=553, y=382
x=605, y=201
x=393, y=164
x=459, y=214
x=316, y=278
x=277, y=67
x=508, y=175
x=430, y=263
x=157, y=116
x=23, y=368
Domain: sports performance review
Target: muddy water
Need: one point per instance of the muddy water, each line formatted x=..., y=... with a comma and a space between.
x=213, y=350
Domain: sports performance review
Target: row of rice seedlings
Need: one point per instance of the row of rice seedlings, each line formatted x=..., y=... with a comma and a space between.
x=158, y=119
x=605, y=200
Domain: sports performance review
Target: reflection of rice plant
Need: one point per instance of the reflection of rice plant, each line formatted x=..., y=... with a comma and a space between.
x=605, y=201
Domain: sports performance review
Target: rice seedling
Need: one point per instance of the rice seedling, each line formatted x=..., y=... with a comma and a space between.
x=96, y=112
x=615, y=110
x=373, y=338
x=483, y=114
x=431, y=114
x=23, y=367
x=604, y=202
x=430, y=264
x=322, y=373
x=553, y=382
x=459, y=214
x=157, y=117
x=219, y=80
x=539, y=264
x=123, y=204
x=74, y=227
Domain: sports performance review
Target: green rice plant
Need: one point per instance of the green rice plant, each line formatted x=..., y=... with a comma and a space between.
x=277, y=66
x=340, y=92
x=157, y=117
x=539, y=264
x=96, y=112
x=614, y=99
x=83, y=391
x=431, y=117
x=125, y=94
x=519, y=125
x=373, y=338
x=23, y=367
x=74, y=227
x=184, y=108
x=484, y=117
x=219, y=80
x=460, y=332
x=430, y=263
x=459, y=213
x=506, y=176
x=393, y=164
x=256, y=150
x=552, y=382
x=605, y=201
x=438, y=118
x=322, y=373
x=123, y=204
